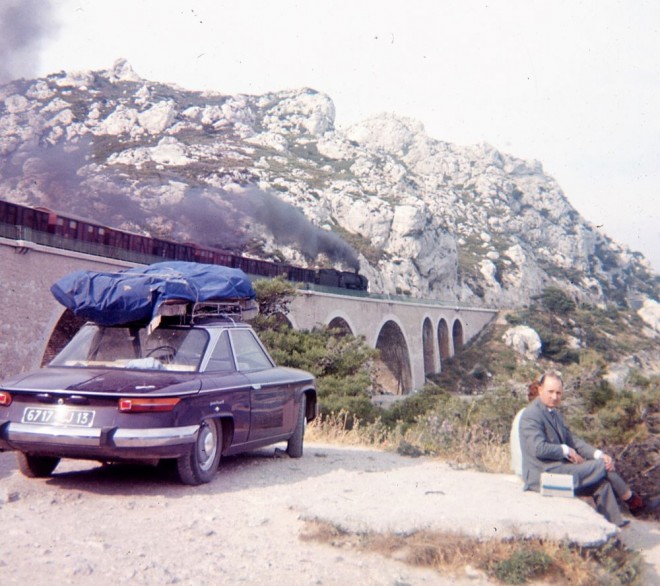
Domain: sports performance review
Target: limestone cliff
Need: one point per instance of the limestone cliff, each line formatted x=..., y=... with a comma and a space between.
x=271, y=175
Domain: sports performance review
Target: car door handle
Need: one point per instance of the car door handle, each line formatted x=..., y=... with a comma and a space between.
x=256, y=387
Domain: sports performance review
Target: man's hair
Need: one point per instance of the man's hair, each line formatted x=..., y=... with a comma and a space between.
x=551, y=374
x=533, y=390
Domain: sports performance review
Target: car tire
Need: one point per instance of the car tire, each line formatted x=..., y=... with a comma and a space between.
x=200, y=465
x=36, y=466
x=294, y=447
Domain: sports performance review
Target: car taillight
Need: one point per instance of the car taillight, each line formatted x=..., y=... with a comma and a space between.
x=138, y=405
x=5, y=399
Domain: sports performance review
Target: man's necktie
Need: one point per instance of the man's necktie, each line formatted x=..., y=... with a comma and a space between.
x=554, y=417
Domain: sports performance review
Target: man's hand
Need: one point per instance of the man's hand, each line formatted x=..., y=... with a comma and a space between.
x=609, y=462
x=574, y=457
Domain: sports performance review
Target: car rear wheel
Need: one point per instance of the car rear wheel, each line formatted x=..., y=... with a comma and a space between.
x=36, y=466
x=294, y=446
x=201, y=463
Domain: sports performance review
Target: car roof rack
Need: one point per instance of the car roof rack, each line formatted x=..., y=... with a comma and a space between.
x=232, y=310
x=188, y=313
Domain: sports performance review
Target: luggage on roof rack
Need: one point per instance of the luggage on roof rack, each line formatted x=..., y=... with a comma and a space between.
x=142, y=294
x=190, y=313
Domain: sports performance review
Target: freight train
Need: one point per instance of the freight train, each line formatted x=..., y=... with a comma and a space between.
x=28, y=223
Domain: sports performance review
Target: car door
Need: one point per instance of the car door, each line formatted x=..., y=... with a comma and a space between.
x=271, y=398
x=226, y=390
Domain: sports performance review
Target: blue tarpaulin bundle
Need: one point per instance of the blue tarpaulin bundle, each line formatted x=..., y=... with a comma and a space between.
x=136, y=294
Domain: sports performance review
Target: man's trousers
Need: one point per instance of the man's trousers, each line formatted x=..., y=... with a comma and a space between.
x=591, y=479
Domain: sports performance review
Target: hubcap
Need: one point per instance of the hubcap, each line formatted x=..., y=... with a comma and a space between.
x=207, y=446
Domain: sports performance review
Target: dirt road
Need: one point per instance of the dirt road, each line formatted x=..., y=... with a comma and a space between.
x=122, y=524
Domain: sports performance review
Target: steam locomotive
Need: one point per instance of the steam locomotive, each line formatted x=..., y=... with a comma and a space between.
x=44, y=226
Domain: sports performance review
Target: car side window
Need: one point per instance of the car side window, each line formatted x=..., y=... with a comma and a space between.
x=249, y=354
x=221, y=359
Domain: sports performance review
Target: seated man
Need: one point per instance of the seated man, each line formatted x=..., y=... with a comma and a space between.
x=548, y=446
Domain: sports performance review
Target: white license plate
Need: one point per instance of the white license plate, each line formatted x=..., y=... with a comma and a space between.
x=64, y=416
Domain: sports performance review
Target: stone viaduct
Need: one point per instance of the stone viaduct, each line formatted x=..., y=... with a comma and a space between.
x=414, y=337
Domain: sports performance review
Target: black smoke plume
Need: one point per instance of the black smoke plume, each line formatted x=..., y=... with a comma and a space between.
x=24, y=25
x=210, y=219
x=227, y=220
x=290, y=226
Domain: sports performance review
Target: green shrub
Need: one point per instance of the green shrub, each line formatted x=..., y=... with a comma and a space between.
x=554, y=348
x=473, y=431
x=605, y=416
x=620, y=416
x=341, y=364
x=638, y=380
x=495, y=411
x=356, y=407
x=556, y=301
x=274, y=297
x=596, y=395
x=523, y=565
x=407, y=411
x=514, y=319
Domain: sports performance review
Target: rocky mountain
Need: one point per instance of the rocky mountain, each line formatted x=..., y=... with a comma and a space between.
x=270, y=175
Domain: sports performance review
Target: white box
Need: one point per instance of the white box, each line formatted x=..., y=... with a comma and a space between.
x=557, y=485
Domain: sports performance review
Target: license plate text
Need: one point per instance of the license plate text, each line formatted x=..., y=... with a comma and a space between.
x=58, y=416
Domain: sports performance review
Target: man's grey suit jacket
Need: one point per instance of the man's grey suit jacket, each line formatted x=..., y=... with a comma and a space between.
x=541, y=437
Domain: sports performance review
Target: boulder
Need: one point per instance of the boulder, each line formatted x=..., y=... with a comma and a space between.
x=524, y=340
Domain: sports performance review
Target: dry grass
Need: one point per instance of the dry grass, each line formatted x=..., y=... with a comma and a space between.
x=510, y=562
x=466, y=446
x=342, y=428
x=461, y=447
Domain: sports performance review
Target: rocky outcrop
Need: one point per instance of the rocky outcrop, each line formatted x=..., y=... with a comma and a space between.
x=524, y=340
x=427, y=218
x=644, y=363
x=650, y=314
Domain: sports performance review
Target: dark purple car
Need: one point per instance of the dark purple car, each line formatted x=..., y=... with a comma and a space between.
x=189, y=393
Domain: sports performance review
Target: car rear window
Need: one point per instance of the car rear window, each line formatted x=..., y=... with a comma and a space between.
x=165, y=348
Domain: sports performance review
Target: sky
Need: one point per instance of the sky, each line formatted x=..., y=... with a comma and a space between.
x=573, y=84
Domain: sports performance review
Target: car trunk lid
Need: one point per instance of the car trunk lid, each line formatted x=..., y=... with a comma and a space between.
x=85, y=381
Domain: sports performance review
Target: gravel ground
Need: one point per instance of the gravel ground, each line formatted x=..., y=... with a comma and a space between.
x=92, y=524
